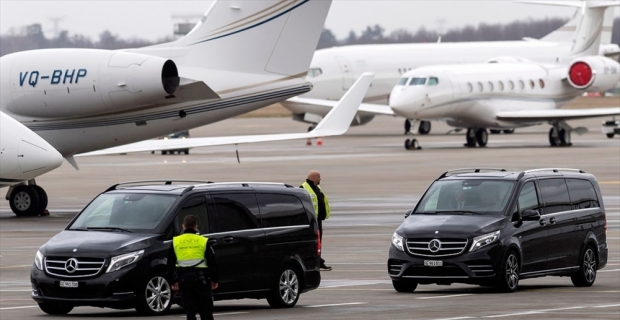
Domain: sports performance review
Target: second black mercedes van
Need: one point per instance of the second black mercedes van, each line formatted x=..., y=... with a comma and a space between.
x=494, y=227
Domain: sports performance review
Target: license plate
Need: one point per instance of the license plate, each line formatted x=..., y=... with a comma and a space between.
x=433, y=263
x=68, y=284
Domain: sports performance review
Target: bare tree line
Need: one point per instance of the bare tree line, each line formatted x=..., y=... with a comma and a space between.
x=32, y=37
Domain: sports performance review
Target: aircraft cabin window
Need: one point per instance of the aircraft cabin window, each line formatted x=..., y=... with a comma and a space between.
x=501, y=86
x=402, y=81
x=470, y=87
x=521, y=84
x=315, y=72
x=480, y=87
x=490, y=86
x=432, y=81
x=532, y=85
x=417, y=81
x=541, y=83
x=511, y=85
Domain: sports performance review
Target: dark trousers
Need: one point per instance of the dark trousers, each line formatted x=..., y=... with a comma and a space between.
x=196, y=292
x=321, y=237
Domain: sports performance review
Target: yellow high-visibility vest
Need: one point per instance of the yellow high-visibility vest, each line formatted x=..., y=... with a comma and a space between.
x=315, y=200
x=190, y=250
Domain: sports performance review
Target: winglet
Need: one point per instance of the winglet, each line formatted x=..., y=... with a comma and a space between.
x=339, y=119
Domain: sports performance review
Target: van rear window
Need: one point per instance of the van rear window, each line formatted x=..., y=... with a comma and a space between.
x=554, y=195
x=582, y=194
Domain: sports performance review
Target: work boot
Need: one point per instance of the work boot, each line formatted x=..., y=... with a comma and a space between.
x=325, y=268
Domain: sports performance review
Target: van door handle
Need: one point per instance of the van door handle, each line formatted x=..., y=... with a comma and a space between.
x=543, y=222
x=552, y=220
x=228, y=239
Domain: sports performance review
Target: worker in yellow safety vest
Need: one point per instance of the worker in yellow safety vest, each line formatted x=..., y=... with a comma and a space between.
x=320, y=203
x=196, y=270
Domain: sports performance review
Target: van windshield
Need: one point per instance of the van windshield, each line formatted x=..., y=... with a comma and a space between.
x=466, y=197
x=124, y=212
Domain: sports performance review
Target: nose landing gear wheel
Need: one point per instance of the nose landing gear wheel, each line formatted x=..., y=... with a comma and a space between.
x=412, y=144
x=471, y=138
x=482, y=137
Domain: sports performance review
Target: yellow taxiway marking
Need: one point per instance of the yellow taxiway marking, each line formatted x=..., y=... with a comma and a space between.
x=609, y=182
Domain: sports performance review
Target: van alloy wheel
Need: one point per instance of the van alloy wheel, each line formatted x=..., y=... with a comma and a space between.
x=286, y=291
x=155, y=297
x=512, y=271
x=585, y=276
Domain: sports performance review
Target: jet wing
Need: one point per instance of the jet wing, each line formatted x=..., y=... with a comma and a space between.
x=556, y=114
x=365, y=107
x=336, y=122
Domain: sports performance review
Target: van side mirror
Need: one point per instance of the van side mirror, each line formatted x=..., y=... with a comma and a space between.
x=530, y=215
x=408, y=213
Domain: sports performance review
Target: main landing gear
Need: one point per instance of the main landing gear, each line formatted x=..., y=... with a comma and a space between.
x=423, y=129
x=27, y=199
x=478, y=136
x=559, y=137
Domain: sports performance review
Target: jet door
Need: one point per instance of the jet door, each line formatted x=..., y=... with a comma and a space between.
x=347, y=73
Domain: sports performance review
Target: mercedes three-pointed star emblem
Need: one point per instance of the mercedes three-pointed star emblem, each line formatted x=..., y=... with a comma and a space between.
x=434, y=245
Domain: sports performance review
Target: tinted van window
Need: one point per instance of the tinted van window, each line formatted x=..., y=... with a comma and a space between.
x=198, y=208
x=234, y=212
x=554, y=195
x=528, y=199
x=281, y=210
x=582, y=194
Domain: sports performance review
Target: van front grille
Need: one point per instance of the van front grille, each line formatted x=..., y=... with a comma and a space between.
x=69, y=267
x=436, y=247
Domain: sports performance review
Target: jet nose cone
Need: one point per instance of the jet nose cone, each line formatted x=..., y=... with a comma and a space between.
x=399, y=102
x=36, y=156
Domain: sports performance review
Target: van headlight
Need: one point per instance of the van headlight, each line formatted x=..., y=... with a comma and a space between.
x=124, y=260
x=38, y=260
x=397, y=241
x=483, y=241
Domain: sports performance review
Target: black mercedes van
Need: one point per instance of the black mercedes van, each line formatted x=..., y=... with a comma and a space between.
x=494, y=227
x=114, y=253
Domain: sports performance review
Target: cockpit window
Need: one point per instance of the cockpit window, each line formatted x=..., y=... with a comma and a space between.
x=432, y=81
x=314, y=72
x=402, y=81
x=417, y=81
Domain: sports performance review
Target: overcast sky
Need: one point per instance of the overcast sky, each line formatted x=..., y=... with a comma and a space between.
x=153, y=19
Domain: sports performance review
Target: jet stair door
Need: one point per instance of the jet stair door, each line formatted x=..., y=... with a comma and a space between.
x=347, y=73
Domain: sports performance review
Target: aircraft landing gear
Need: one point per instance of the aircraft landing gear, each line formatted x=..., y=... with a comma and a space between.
x=27, y=200
x=408, y=126
x=412, y=144
x=312, y=127
x=478, y=136
x=425, y=127
x=559, y=136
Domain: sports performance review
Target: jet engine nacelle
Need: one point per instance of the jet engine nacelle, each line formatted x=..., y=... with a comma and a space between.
x=594, y=73
x=62, y=83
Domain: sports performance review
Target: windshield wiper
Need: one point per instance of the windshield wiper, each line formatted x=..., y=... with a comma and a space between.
x=109, y=228
x=461, y=211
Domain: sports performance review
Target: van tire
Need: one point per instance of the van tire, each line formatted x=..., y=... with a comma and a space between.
x=285, y=289
x=154, y=295
x=586, y=275
x=55, y=308
x=508, y=276
x=404, y=286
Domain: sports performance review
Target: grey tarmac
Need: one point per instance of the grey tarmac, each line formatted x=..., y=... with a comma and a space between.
x=371, y=181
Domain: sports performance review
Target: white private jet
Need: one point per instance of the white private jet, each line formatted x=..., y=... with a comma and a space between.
x=333, y=70
x=241, y=56
x=23, y=154
x=511, y=92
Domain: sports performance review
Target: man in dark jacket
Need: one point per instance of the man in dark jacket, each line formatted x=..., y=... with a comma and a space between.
x=320, y=203
x=196, y=270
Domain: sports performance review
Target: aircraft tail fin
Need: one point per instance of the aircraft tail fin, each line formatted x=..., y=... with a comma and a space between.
x=590, y=23
x=274, y=36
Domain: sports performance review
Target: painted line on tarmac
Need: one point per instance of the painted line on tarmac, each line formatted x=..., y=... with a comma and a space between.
x=609, y=182
x=336, y=304
x=16, y=290
x=448, y=296
x=610, y=270
x=457, y=318
x=21, y=266
x=549, y=310
x=21, y=307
